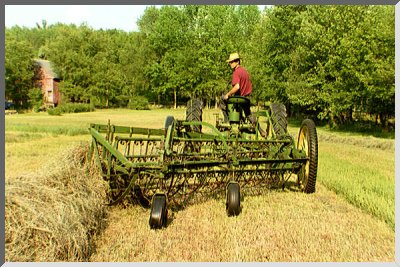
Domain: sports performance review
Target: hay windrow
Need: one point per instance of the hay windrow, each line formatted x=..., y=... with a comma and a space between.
x=367, y=142
x=52, y=215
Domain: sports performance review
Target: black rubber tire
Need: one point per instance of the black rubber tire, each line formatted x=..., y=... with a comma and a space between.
x=308, y=141
x=159, y=212
x=279, y=119
x=169, y=120
x=233, y=199
x=194, y=112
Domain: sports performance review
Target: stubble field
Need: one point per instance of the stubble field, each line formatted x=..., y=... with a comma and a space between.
x=349, y=218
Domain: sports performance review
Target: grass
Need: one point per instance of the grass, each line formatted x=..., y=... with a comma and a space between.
x=360, y=168
x=278, y=226
x=366, y=128
x=29, y=152
x=368, y=184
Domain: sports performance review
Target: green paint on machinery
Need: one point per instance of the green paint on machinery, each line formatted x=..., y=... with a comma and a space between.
x=171, y=166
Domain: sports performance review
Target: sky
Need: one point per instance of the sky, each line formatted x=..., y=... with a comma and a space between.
x=122, y=17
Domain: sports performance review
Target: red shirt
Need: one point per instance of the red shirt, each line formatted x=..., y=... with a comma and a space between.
x=242, y=77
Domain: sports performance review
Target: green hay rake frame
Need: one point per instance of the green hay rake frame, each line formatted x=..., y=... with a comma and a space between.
x=179, y=163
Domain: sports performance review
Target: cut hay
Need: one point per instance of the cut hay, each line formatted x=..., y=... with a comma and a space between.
x=367, y=141
x=53, y=215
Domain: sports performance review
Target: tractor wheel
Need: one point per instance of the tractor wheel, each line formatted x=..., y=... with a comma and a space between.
x=233, y=199
x=263, y=126
x=279, y=119
x=168, y=121
x=194, y=112
x=308, y=142
x=159, y=212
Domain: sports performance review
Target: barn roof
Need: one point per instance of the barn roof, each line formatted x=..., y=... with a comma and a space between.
x=46, y=66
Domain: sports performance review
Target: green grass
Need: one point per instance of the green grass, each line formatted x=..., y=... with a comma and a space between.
x=364, y=176
x=358, y=167
x=281, y=226
x=55, y=130
x=78, y=123
x=357, y=128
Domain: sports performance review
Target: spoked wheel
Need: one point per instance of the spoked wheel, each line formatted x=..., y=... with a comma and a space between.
x=308, y=142
x=233, y=199
x=159, y=212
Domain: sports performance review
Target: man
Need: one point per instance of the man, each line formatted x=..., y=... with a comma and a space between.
x=241, y=85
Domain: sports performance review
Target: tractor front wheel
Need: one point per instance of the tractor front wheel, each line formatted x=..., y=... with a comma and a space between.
x=159, y=212
x=169, y=120
x=233, y=199
x=308, y=142
x=194, y=112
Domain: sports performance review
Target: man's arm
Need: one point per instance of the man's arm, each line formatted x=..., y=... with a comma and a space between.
x=232, y=91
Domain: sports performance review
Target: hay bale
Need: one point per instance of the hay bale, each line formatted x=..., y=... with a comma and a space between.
x=54, y=214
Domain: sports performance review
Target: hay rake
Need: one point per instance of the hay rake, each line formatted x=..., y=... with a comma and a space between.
x=188, y=159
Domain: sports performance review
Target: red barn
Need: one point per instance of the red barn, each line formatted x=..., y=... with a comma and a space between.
x=48, y=81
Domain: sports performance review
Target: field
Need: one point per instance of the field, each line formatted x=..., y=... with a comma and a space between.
x=349, y=218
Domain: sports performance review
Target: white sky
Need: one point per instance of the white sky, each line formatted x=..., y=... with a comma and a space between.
x=123, y=17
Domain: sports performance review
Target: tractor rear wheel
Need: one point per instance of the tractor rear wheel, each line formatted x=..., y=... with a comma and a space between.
x=233, y=199
x=279, y=119
x=194, y=112
x=308, y=142
x=159, y=212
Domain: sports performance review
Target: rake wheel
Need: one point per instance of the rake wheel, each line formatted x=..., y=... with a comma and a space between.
x=233, y=199
x=159, y=212
x=308, y=142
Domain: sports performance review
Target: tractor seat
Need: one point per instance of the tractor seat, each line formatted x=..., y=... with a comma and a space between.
x=238, y=100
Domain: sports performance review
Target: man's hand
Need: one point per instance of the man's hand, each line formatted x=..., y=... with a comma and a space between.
x=226, y=96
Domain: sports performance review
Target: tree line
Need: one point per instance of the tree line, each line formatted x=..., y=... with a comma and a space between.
x=328, y=61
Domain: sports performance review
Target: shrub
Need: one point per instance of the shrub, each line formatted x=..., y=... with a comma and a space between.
x=70, y=108
x=35, y=99
x=54, y=111
x=138, y=103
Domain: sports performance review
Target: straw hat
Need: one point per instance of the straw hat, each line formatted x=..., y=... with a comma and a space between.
x=233, y=57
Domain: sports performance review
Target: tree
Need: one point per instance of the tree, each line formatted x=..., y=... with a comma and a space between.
x=333, y=67
x=165, y=34
x=73, y=52
x=19, y=68
x=325, y=60
x=273, y=42
x=328, y=62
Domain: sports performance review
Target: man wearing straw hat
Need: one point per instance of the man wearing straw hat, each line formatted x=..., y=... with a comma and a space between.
x=241, y=85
